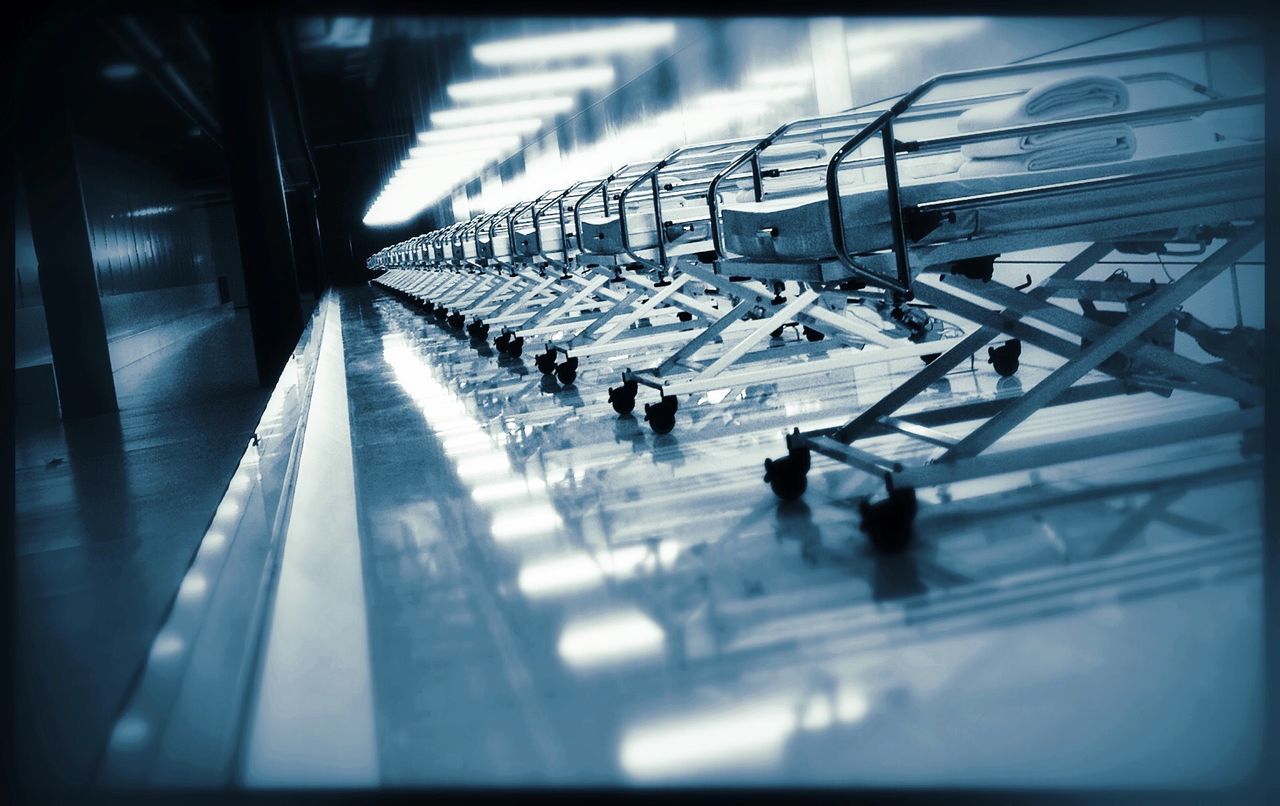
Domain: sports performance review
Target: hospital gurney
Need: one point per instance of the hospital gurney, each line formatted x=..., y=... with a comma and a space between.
x=901, y=237
x=663, y=307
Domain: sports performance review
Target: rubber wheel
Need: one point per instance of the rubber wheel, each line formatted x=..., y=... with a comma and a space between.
x=662, y=422
x=622, y=399
x=546, y=362
x=890, y=524
x=788, y=483
x=566, y=373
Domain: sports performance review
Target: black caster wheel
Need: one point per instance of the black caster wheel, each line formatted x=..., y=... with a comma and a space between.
x=890, y=524
x=929, y=358
x=429, y=307
x=441, y=313
x=623, y=398
x=1005, y=357
x=515, y=347
x=482, y=331
x=567, y=372
x=661, y=416
x=546, y=362
x=502, y=342
x=456, y=320
x=473, y=330
x=685, y=316
x=776, y=333
x=788, y=477
x=813, y=335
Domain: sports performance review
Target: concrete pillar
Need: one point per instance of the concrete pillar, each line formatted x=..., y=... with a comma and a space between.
x=242, y=74
x=830, y=54
x=60, y=233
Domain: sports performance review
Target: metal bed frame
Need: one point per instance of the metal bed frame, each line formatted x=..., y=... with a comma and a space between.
x=1134, y=347
x=1135, y=350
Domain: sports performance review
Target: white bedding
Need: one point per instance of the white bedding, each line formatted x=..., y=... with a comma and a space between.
x=1086, y=147
x=1064, y=98
x=602, y=234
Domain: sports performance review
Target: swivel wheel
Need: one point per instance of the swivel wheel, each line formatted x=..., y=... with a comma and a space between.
x=890, y=524
x=502, y=342
x=567, y=372
x=441, y=313
x=515, y=347
x=429, y=306
x=788, y=477
x=661, y=416
x=1005, y=357
x=456, y=320
x=482, y=330
x=546, y=362
x=623, y=398
x=813, y=335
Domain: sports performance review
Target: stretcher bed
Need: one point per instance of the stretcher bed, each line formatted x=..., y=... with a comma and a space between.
x=879, y=216
x=798, y=229
x=919, y=240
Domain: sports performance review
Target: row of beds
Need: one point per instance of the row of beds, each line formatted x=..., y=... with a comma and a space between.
x=874, y=237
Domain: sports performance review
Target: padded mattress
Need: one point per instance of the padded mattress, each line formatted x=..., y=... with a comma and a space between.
x=798, y=228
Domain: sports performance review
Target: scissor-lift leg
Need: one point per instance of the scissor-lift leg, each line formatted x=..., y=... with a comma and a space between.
x=968, y=457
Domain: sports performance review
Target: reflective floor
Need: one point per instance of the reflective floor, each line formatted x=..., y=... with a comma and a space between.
x=109, y=511
x=539, y=591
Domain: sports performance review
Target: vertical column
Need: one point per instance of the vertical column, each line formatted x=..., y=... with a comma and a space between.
x=60, y=233
x=306, y=239
x=828, y=48
x=241, y=73
x=311, y=224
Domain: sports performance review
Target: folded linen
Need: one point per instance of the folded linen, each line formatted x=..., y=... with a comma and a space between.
x=1113, y=143
x=792, y=152
x=1071, y=97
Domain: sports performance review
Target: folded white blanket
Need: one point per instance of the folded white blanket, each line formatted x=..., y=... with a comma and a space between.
x=1072, y=97
x=1104, y=144
x=935, y=165
x=803, y=153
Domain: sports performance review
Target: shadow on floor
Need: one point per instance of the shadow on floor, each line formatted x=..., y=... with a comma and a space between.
x=109, y=513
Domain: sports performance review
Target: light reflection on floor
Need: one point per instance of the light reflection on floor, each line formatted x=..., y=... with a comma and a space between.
x=639, y=608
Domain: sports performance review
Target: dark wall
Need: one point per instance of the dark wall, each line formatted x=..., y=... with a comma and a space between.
x=158, y=251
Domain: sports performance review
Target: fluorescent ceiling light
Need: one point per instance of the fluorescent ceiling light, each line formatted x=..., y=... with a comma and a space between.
x=799, y=74
x=532, y=84
x=518, y=487
x=491, y=144
x=736, y=736
x=526, y=521
x=869, y=62
x=534, y=107
x=617, y=638
x=563, y=575
x=120, y=71
x=892, y=35
x=520, y=126
x=614, y=39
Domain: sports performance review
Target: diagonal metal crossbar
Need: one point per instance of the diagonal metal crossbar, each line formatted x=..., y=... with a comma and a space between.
x=1159, y=305
x=931, y=373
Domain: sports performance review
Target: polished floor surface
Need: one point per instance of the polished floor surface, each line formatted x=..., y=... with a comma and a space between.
x=485, y=578
x=109, y=511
